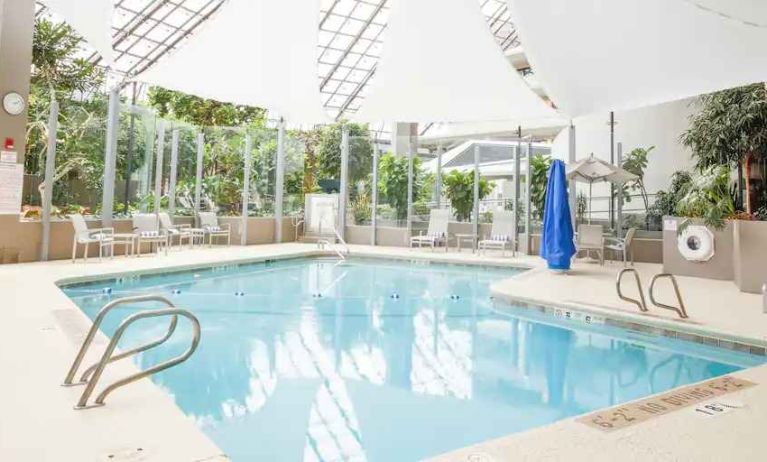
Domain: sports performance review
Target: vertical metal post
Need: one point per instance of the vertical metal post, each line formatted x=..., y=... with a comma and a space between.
x=246, y=188
x=343, y=192
x=475, y=215
x=50, y=170
x=438, y=179
x=110, y=158
x=279, y=181
x=131, y=147
x=198, y=173
x=158, y=165
x=619, y=211
x=570, y=159
x=613, y=189
x=173, y=172
x=374, y=199
x=517, y=185
x=410, y=158
x=528, y=199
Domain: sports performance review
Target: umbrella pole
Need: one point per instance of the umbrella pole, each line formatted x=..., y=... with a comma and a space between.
x=591, y=183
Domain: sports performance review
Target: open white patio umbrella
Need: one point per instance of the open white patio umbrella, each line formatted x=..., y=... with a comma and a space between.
x=592, y=170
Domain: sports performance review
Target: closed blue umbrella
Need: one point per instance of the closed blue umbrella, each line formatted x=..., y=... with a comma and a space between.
x=557, y=246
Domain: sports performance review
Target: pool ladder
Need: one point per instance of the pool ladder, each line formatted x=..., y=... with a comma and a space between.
x=92, y=374
x=324, y=243
x=642, y=304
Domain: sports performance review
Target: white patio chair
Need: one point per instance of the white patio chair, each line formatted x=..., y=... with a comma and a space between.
x=501, y=233
x=146, y=227
x=104, y=237
x=590, y=239
x=209, y=223
x=437, y=232
x=622, y=246
x=172, y=230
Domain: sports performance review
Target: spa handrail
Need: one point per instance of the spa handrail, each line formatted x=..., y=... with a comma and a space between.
x=68, y=381
x=680, y=310
x=641, y=304
x=106, y=358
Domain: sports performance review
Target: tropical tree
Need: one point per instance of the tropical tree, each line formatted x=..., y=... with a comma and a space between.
x=708, y=197
x=636, y=163
x=539, y=170
x=731, y=129
x=459, y=189
x=360, y=151
x=392, y=182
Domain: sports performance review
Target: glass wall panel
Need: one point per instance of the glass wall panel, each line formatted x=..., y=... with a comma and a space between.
x=186, y=170
x=222, y=177
x=262, y=172
x=135, y=143
x=392, y=190
x=293, y=193
x=359, y=203
x=424, y=184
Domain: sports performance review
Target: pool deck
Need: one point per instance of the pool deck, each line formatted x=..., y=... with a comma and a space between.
x=40, y=331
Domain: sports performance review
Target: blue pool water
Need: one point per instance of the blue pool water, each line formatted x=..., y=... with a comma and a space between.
x=382, y=360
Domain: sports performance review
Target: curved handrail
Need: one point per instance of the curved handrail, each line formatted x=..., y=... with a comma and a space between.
x=643, y=304
x=106, y=357
x=97, y=323
x=680, y=310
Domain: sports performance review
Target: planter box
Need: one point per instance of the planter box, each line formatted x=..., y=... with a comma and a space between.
x=719, y=267
x=750, y=255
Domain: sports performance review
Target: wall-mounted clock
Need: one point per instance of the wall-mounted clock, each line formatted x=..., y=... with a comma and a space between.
x=13, y=103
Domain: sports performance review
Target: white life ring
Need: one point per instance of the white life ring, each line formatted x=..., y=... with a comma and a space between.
x=696, y=243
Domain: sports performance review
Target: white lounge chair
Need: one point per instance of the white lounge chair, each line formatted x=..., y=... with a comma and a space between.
x=501, y=234
x=146, y=227
x=437, y=232
x=104, y=237
x=209, y=223
x=622, y=246
x=590, y=239
x=180, y=231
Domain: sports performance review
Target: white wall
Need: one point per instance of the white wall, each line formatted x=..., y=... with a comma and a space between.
x=659, y=126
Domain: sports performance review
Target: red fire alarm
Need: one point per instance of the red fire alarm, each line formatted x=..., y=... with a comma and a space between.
x=9, y=144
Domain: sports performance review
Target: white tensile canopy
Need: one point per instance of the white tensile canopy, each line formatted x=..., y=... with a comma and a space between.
x=90, y=18
x=253, y=52
x=600, y=55
x=441, y=63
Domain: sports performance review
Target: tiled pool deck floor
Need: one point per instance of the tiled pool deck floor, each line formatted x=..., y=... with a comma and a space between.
x=40, y=330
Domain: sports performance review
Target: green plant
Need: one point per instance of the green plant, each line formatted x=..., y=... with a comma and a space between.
x=731, y=129
x=636, y=163
x=707, y=197
x=581, y=205
x=361, y=208
x=360, y=151
x=666, y=201
x=459, y=189
x=539, y=170
x=392, y=182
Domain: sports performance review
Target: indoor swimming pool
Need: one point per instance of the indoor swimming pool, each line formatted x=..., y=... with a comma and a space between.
x=317, y=359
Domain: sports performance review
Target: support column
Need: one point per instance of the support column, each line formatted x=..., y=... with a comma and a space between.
x=619, y=189
x=50, y=170
x=198, y=173
x=517, y=187
x=279, y=182
x=246, y=188
x=570, y=159
x=173, y=172
x=410, y=157
x=475, y=215
x=110, y=158
x=613, y=189
x=528, y=200
x=17, y=19
x=374, y=199
x=343, y=193
x=158, y=165
x=131, y=146
x=438, y=179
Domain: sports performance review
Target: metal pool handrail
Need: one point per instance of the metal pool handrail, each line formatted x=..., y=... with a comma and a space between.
x=680, y=310
x=643, y=304
x=68, y=381
x=107, y=356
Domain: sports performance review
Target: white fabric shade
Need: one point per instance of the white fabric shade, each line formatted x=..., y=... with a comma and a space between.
x=591, y=170
x=92, y=19
x=440, y=63
x=253, y=52
x=604, y=55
